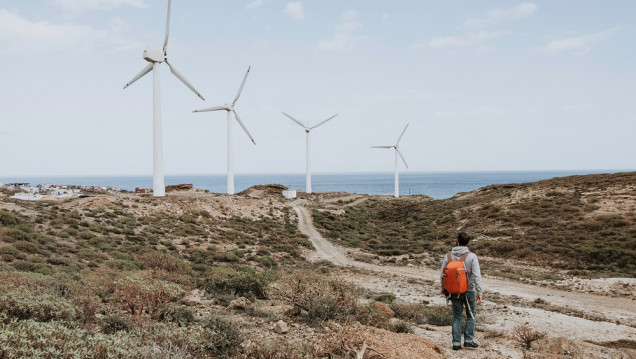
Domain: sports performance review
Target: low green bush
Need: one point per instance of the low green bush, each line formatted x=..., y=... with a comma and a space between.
x=322, y=296
x=243, y=282
x=22, y=305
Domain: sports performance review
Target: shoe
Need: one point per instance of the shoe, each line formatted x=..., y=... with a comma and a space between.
x=471, y=345
x=457, y=347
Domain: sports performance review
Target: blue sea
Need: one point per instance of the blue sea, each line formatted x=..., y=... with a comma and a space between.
x=438, y=185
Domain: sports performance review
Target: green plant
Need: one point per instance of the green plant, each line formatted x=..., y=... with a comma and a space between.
x=178, y=314
x=114, y=323
x=322, y=296
x=22, y=305
x=237, y=282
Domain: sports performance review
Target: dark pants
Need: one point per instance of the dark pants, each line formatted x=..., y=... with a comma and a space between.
x=459, y=302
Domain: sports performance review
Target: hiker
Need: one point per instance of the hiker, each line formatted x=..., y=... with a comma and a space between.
x=471, y=293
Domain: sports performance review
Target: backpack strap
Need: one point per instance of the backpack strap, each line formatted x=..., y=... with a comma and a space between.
x=463, y=258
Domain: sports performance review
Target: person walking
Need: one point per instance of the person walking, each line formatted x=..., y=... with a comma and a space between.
x=471, y=295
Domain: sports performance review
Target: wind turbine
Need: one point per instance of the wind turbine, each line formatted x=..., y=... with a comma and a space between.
x=155, y=58
x=229, y=107
x=307, y=130
x=397, y=152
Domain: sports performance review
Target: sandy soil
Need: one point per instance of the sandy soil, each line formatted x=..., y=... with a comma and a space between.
x=496, y=319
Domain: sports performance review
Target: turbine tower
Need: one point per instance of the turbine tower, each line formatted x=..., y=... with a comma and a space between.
x=155, y=58
x=229, y=107
x=307, y=130
x=397, y=152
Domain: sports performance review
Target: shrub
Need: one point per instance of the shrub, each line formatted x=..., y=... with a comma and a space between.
x=180, y=315
x=25, y=246
x=385, y=298
x=139, y=293
x=31, y=339
x=27, y=266
x=525, y=335
x=237, y=282
x=401, y=326
x=114, y=323
x=439, y=315
x=323, y=297
x=23, y=305
x=224, y=334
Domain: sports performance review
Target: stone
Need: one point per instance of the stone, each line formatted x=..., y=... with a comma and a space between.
x=281, y=327
x=194, y=298
x=240, y=303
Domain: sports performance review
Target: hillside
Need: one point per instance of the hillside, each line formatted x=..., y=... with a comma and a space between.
x=585, y=224
x=196, y=275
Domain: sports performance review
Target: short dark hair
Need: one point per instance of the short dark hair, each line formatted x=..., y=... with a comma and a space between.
x=463, y=238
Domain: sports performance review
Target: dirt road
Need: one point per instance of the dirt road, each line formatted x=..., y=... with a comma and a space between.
x=402, y=281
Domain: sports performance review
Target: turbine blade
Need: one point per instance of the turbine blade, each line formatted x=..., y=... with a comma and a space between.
x=402, y=157
x=295, y=120
x=242, y=84
x=165, y=41
x=402, y=134
x=185, y=82
x=323, y=122
x=238, y=119
x=381, y=146
x=143, y=72
x=215, y=108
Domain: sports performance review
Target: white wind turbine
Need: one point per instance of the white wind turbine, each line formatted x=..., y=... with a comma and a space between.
x=229, y=107
x=397, y=152
x=307, y=130
x=155, y=58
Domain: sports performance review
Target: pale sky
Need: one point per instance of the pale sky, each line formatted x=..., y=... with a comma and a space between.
x=485, y=85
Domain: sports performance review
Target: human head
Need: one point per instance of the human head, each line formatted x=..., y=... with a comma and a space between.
x=463, y=238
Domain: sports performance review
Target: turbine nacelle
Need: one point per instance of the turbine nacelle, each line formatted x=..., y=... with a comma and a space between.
x=151, y=55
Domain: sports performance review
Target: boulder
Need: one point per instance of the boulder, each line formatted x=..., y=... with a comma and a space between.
x=281, y=327
x=240, y=303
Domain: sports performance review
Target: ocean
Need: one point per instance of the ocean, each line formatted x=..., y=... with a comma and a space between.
x=438, y=185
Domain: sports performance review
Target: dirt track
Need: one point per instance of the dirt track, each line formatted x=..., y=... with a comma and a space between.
x=402, y=281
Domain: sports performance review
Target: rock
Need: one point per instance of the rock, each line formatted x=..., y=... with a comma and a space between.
x=240, y=303
x=294, y=312
x=383, y=308
x=194, y=298
x=281, y=327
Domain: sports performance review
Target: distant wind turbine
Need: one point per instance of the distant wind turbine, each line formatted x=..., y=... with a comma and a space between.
x=397, y=152
x=307, y=130
x=155, y=58
x=230, y=108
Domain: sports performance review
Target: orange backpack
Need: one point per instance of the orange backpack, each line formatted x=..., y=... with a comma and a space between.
x=454, y=277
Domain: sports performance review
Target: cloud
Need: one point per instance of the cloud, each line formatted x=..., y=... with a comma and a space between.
x=96, y=5
x=344, y=34
x=580, y=45
x=254, y=4
x=468, y=39
x=496, y=16
x=20, y=36
x=295, y=10
x=475, y=29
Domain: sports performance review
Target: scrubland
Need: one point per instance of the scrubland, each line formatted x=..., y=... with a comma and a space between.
x=199, y=275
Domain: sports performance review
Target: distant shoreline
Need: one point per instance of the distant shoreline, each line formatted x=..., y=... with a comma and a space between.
x=438, y=185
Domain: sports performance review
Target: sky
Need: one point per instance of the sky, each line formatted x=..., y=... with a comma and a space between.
x=484, y=85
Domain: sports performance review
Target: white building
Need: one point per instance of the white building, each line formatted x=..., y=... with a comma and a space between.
x=27, y=196
x=289, y=193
